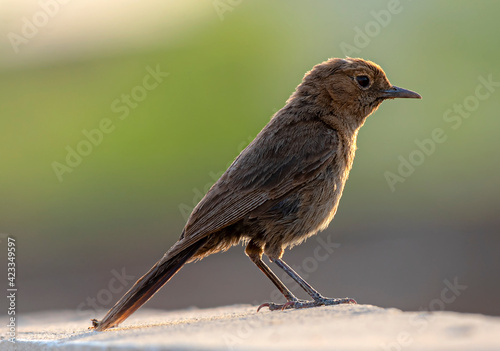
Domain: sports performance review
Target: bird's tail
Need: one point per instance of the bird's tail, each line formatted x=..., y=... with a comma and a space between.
x=146, y=287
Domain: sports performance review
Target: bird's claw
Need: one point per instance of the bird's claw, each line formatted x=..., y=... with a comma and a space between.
x=306, y=304
x=275, y=306
x=264, y=305
x=328, y=302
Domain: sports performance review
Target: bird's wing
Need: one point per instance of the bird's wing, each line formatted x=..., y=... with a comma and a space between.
x=276, y=162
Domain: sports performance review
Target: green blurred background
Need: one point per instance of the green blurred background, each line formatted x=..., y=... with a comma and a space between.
x=231, y=65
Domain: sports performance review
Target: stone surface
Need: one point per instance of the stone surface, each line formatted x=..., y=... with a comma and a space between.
x=344, y=327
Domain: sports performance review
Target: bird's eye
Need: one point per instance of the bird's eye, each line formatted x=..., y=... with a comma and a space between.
x=363, y=81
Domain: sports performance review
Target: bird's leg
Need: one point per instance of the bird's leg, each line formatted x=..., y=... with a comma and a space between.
x=255, y=254
x=319, y=299
x=278, y=283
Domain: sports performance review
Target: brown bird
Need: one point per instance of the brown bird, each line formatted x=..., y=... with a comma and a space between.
x=284, y=187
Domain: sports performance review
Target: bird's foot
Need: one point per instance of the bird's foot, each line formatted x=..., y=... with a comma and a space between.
x=320, y=301
x=287, y=305
x=325, y=301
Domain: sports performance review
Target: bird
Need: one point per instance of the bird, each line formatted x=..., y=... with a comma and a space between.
x=284, y=187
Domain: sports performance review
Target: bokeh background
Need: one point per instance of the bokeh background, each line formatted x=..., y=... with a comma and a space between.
x=231, y=65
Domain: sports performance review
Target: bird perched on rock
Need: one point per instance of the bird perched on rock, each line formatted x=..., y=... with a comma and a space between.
x=284, y=187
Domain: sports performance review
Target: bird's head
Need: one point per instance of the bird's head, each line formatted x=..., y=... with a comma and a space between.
x=352, y=88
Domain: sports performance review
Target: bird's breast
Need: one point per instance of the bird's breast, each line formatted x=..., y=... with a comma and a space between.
x=334, y=181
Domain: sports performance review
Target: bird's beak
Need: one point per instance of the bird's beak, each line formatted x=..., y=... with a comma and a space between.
x=397, y=92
